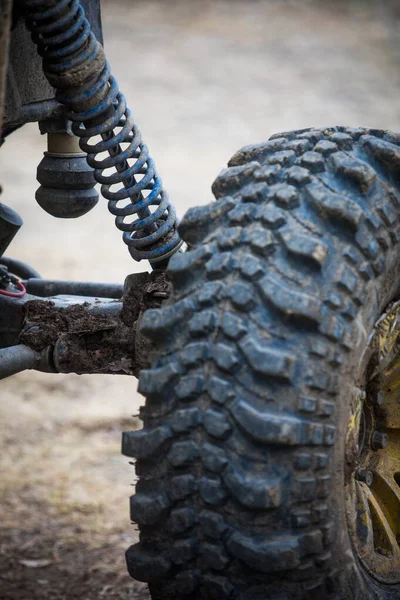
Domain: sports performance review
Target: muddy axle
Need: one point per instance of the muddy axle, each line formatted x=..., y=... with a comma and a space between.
x=81, y=334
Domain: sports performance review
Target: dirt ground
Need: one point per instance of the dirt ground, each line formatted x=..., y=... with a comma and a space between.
x=204, y=78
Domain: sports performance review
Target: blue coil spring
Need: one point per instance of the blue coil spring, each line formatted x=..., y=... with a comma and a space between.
x=75, y=65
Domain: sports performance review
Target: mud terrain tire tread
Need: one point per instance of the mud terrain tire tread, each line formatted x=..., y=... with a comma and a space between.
x=235, y=460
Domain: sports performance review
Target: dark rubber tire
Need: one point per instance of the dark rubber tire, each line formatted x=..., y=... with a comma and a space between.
x=240, y=461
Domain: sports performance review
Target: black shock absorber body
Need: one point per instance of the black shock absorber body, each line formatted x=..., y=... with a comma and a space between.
x=75, y=65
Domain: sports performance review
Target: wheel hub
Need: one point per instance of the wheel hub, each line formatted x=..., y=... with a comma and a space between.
x=373, y=454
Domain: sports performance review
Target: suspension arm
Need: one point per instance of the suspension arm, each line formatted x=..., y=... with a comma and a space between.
x=45, y=288
x=75, y=334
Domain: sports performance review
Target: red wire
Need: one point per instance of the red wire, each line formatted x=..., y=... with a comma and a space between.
x=15, y=294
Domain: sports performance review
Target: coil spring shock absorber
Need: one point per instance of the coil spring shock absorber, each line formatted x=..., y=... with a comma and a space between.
x=75, y=65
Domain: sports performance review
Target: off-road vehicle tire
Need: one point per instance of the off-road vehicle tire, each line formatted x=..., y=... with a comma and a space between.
x=241, y=463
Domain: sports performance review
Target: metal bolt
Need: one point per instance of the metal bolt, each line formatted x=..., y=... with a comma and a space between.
x=379, y=441
x=365, y=476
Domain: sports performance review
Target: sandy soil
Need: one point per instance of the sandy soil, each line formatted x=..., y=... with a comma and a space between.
x=204, y=78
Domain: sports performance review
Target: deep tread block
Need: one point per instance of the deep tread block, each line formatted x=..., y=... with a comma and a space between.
x=242, y=214
x=319, y=347
x=216, y=424
x=285, y=195
x=299, y=146
x=157, y=321
x=290, y=302
x=195, y=354
x=181, y=519
x=229, y=238
x=146, y=566
x=232, y=326
x=303, y=461
x=241, y=296
x=261, y=241
x=254, y=192
x=190, y=387
x=250, y=267
x=253, y=491
x=212, y=491
x=202, y=322
x=272, y=216
x=326, y=147
x=212, y=524
x=305, y=246
x=334, y=300
x=230, y=179
x=199, y=220
x=333, y=205
x=184, y=420
x=266, y=554
x=184, y=550
x=346, y=279
x=283, y=158
x=209, y=293
x=182, y=486
x=256, y=152
x=220, y=391
x=265, y=359
x=332, y=327
x=153, y=381
x=219, y=265
x=311, y=134
x=368, y=244
x=298, y=176
x=386, y=154
x=183, y=453
x=148, y=509
x=343, y=140
x=182, y=264
x=357, y=132
x=226, y=357
x=214, y=458
x=307, y=404
x=355, y=170
x=312, y=161
x=270, y=427
x=268, y=173
x=389, y=214
x=144, y=442
x=366, y=272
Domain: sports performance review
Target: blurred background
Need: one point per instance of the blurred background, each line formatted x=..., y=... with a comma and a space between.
x=203, y=77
